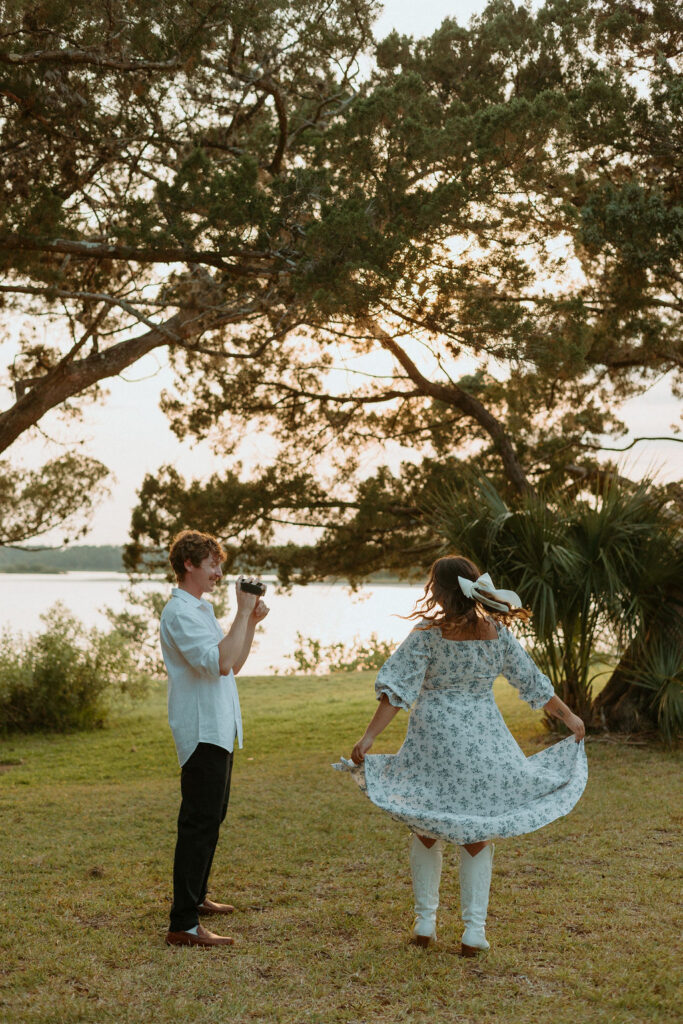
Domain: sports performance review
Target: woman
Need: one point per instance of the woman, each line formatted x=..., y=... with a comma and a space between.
x=460, y=777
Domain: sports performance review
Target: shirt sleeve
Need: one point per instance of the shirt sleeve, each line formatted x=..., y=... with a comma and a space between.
x=400, y=677
x=196, y=642
x=521, y=670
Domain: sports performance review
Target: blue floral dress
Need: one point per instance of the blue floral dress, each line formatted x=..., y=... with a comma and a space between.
x=460, y=774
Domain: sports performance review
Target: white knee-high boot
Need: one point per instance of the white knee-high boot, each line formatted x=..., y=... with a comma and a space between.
x=425, y=867
x=475, y=884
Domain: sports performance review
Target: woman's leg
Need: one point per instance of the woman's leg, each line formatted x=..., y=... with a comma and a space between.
x=474, y=848
x=426, y=857
x=476, y=862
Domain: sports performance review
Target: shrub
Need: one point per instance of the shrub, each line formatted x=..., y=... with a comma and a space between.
x=660, y=674
x=63, y=678
x=313, y=656
x=138, y=625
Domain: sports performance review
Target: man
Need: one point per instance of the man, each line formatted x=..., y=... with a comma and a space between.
x=205, y=719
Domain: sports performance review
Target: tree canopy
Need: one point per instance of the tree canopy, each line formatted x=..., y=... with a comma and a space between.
x=468, y=243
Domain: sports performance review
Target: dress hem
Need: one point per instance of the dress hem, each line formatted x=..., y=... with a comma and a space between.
x=526, y=820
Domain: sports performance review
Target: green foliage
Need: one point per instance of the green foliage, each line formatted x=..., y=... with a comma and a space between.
x=659, y=672
x=597, y=572
x=378, y=527
x=314, y=657
x=138, y=626
x=64, y=678
x=219, y=179
x=62, y=493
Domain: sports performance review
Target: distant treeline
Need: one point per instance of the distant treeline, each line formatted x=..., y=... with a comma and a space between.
x=96, y=558
x=86, y=557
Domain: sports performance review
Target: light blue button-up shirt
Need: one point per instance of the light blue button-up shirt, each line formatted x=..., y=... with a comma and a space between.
x=203, y=705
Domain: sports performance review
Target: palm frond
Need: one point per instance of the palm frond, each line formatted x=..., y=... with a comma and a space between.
x=597, y=570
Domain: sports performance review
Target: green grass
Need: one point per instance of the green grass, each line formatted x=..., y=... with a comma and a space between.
x=581, y=921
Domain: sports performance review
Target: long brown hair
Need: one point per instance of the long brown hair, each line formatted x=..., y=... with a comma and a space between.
x=444, y=603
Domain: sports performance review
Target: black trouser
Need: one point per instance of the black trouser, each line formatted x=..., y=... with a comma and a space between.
x=205, y=789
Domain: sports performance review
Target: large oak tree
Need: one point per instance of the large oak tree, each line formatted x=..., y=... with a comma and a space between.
x=220, y=179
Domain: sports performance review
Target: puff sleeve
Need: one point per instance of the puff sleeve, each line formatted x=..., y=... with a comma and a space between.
x=521, y=670
x=400, y=677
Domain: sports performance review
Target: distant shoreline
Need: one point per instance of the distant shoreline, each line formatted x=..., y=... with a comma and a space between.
x=384, y=581
x=76, y=558
x=109, y=558
x=34, y=571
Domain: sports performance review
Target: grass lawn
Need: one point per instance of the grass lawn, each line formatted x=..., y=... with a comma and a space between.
x=582, y=917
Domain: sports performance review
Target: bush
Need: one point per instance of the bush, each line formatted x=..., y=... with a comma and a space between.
x=660, y=673
x=65, y=677
x=138, y=625
x=315, y=657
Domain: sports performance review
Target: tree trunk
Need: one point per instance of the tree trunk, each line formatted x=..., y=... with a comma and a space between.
x=622, y=706
x=69, y=377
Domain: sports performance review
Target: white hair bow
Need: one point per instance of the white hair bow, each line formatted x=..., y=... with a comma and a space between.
x=483, y=590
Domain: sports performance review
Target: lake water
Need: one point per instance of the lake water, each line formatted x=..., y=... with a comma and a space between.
x=326, y=612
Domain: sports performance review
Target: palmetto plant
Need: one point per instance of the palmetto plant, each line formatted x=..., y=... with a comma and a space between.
x=599, y=572
x=659, y=674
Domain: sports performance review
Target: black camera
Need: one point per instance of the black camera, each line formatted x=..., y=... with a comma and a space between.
x=253, y=588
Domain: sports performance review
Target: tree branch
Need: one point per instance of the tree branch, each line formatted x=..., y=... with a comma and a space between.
x=24, y=385
x=204, y=351
x=268, y=85
x=627, y=362
x=592, y=305
x=69, y=378
x=606, y=448
x=110, y=300
x=100, y=250
x=271, y=87
x=71, y=56
x=387, y=396
x=454, y=395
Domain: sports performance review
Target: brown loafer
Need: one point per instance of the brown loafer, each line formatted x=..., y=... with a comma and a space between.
x=202, y=938
x=209, y=907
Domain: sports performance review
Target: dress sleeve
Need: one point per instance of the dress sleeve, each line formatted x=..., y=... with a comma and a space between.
x=522, y=671
x=400, y=677
x=195, y=641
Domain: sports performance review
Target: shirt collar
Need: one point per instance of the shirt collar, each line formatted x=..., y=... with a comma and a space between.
x=195, y=602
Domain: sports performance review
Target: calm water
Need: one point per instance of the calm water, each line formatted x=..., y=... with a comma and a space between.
x=326, y=612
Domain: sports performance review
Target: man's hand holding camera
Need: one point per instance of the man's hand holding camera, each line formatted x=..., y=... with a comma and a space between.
x=250, y=591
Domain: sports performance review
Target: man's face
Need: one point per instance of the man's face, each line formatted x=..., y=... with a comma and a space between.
x=206, y=575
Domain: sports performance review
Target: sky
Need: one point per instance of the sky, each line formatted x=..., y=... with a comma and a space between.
x=131, y=436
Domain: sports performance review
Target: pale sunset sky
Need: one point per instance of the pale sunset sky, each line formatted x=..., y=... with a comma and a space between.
x=130, y=435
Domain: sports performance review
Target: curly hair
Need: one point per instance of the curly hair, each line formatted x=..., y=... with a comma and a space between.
x=193, y=546
x=444, y=603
